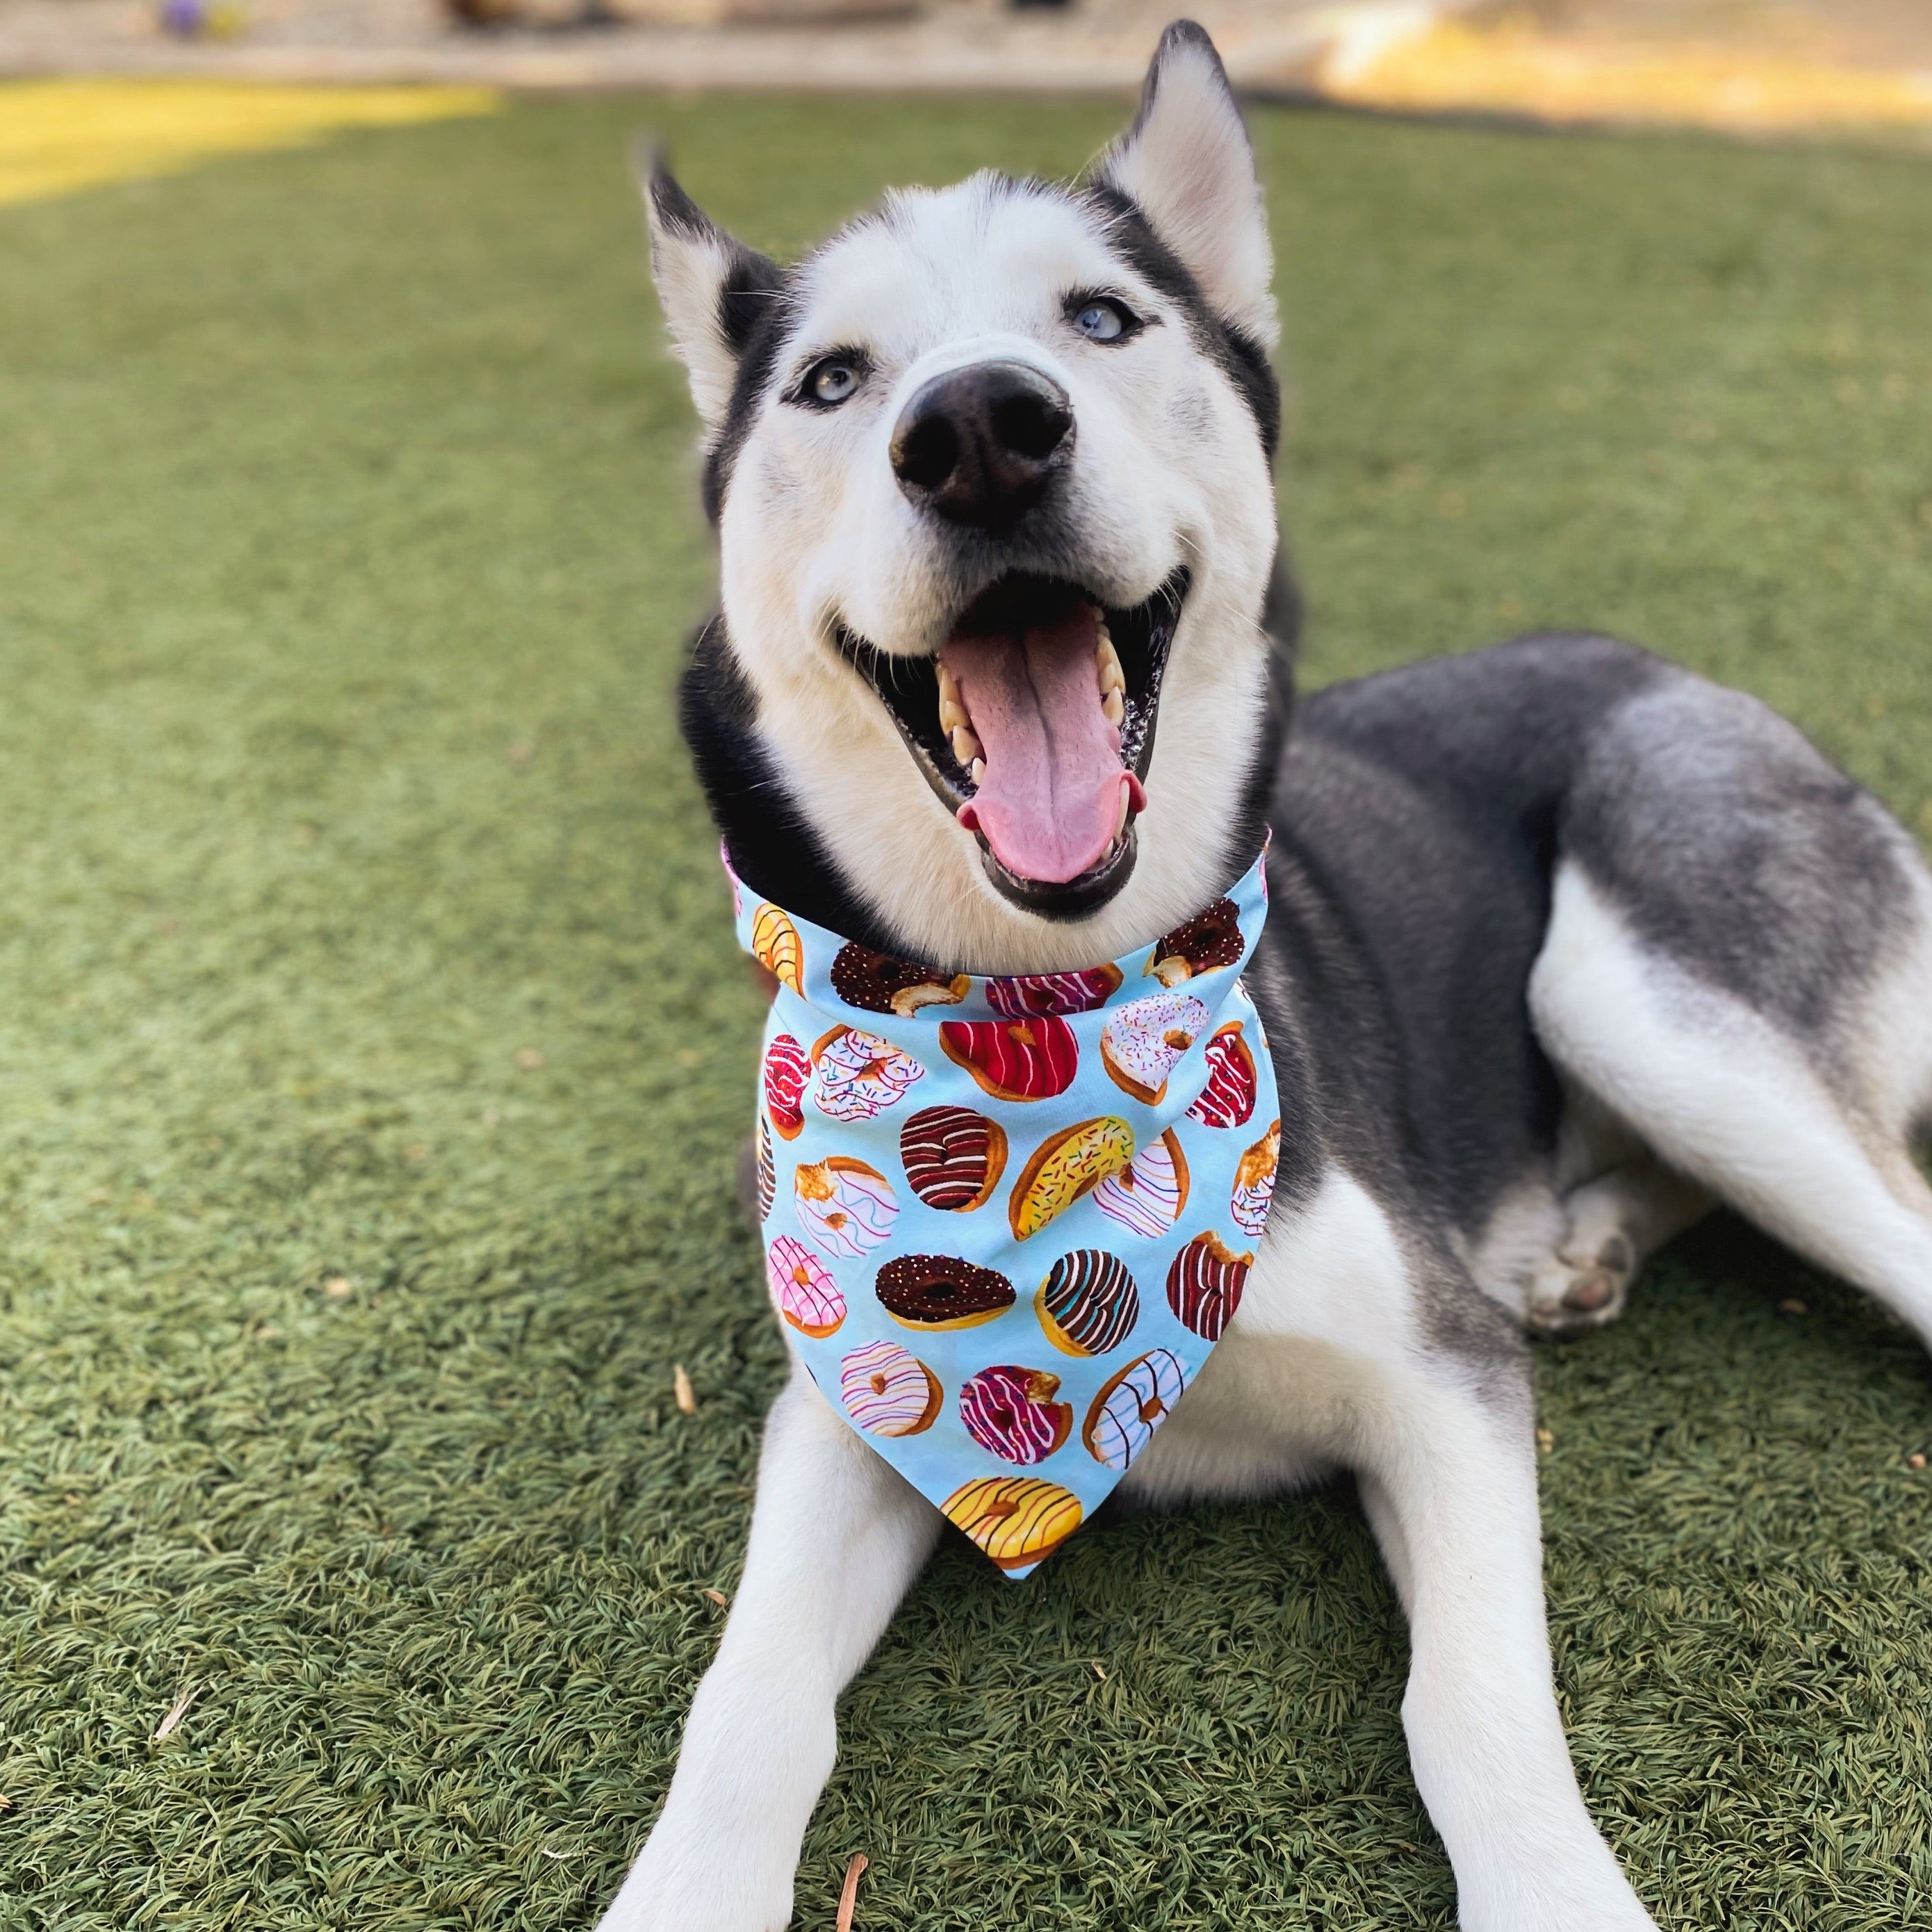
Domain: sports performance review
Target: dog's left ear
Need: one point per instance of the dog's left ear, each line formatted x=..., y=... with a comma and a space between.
x=714, y=290
x=1186, y=162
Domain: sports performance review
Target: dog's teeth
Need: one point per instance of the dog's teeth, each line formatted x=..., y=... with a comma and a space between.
x=966, y=747
x=1107, y=664
x=1113, y=708
x=952, y=712
x=978, y=769
x=1121, y=823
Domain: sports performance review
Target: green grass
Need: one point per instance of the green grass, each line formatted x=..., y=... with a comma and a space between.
x=347, y=539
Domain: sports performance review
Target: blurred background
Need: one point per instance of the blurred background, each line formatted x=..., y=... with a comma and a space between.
x=1741, y=64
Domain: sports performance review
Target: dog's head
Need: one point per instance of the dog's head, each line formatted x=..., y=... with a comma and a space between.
x=992, y=474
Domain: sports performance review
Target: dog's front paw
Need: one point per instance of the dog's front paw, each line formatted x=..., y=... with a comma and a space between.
x=685, y=1882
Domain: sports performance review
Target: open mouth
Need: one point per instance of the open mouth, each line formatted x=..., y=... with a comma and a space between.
x=1034, y=724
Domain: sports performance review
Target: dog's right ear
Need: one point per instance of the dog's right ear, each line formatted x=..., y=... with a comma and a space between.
x=714, y=290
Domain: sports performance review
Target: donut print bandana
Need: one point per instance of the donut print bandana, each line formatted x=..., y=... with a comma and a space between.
x=1005, y=1220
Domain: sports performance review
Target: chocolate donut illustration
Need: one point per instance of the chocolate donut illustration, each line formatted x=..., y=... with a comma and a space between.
x=878, y=983
x=941, y=1291
x=953, y=1157
x=1088, y=1303
x=1207, y=941
x=1203, y=1286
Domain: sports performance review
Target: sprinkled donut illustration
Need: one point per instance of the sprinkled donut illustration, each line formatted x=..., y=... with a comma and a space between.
x=856, y=1075
x=1208, y=941
x=1143, y=1040
x=941, y=1291
x=877, y=983
x=1065, y=1166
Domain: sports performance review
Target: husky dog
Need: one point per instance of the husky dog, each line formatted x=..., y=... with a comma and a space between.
x=1566, y=944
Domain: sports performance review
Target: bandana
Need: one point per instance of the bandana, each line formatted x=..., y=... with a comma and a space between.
x=1005, y=1220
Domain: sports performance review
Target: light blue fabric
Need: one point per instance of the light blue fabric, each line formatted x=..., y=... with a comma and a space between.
x=886, y=1086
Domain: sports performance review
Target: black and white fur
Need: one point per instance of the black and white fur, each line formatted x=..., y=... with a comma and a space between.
x=1565, y=944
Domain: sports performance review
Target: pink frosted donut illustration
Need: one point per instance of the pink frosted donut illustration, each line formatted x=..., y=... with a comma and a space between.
x=807, y=1296
x=888, y=1391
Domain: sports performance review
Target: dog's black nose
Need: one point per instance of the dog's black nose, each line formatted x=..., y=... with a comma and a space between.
x=979, y=445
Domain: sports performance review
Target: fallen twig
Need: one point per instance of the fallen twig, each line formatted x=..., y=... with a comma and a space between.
x=848, y=1899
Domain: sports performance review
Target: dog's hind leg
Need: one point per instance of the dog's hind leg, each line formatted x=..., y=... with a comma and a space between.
x=1614, y=1223
x=1809, y=1139
x=837, y=1537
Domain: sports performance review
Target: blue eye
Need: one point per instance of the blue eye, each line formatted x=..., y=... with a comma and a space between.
x=831, y=381
x=1101, y=322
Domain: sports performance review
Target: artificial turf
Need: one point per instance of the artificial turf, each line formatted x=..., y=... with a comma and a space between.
x=374, y=1054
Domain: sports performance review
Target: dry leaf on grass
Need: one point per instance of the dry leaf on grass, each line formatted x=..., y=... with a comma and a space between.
x=177, y=1711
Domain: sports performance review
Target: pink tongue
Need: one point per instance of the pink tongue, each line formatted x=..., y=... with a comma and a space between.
x=1051, y=798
